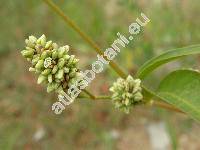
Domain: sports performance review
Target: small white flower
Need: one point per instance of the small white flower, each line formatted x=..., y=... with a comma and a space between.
x=47, y=62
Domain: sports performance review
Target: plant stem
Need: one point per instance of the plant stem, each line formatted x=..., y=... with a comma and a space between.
x=155, y=103
x=89, y=94
x=103, y=97
x=112, y=64
x=159, y=102
x=83, y=35
x=166, y=106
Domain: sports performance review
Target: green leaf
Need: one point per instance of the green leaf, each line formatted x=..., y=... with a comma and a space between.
x=166, y=57
x=182, y=89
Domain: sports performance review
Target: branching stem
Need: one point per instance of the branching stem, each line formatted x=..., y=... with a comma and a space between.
x=112, y=64
x=155, y=103
x=89, y=94
x=83, y=35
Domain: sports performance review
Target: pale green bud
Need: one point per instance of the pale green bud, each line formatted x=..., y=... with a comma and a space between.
x=129, y=79
x=71, y=59
x=75, y=61
x=30, y=49
x=50, y=78
x=42, y=40
x=55, y=69
x=54, y=54
x=55, y=46
x=49, y=52
x=46, y=72
x=72, y=74
x=58, y=80
x=50, y=87
x=59, y=74
x=27, y=53
x=61, y=52
x=39, y=65
x=61, y=63
x=56, y=85
x=38, y=71
x=35, y=60
x=66, y=70
x=41, y=79
x=48, y=44
x=28, y=59
x=44, y=55
x=29, y=43
x=31, y=69
x=126, y=102
x=74, y=69
x=32, y=39
x=66, y=57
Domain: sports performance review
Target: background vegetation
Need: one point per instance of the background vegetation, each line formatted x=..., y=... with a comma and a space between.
x=27, y=121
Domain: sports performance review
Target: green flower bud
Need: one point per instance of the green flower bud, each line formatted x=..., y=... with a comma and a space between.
x=27, y=53
x=59, y=74
x=66, y=48
x=72, y=74
x=49, y=53
x=58, y=80
x=66, y=70
x=138, y=96
x=28, y=59
x=35, y=60
x=61, y=63
x=75, y=61
x=50, y=78
x=30, y=49
x=55, y=46
x=55, y=54
x=42, y=40
x=32, y=69
x=38, y=71
x=46, y=72
x=66, y=57
x=29, y=43
x=71, y=59
x=48, y=44
x=55, y=69
x=61, y=51
x=56, y=85
x=50, y=87
x=74, y=70
x=41, y=79
x=32, y=39
x=44, y=55
x=40, y=64
x=126, y=93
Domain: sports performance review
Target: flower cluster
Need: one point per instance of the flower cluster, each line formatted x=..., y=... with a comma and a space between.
x=52, y=63
x=126, y=93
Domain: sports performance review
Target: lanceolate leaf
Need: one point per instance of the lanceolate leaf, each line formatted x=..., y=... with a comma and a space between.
x=166, y=57
x=182, y=89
